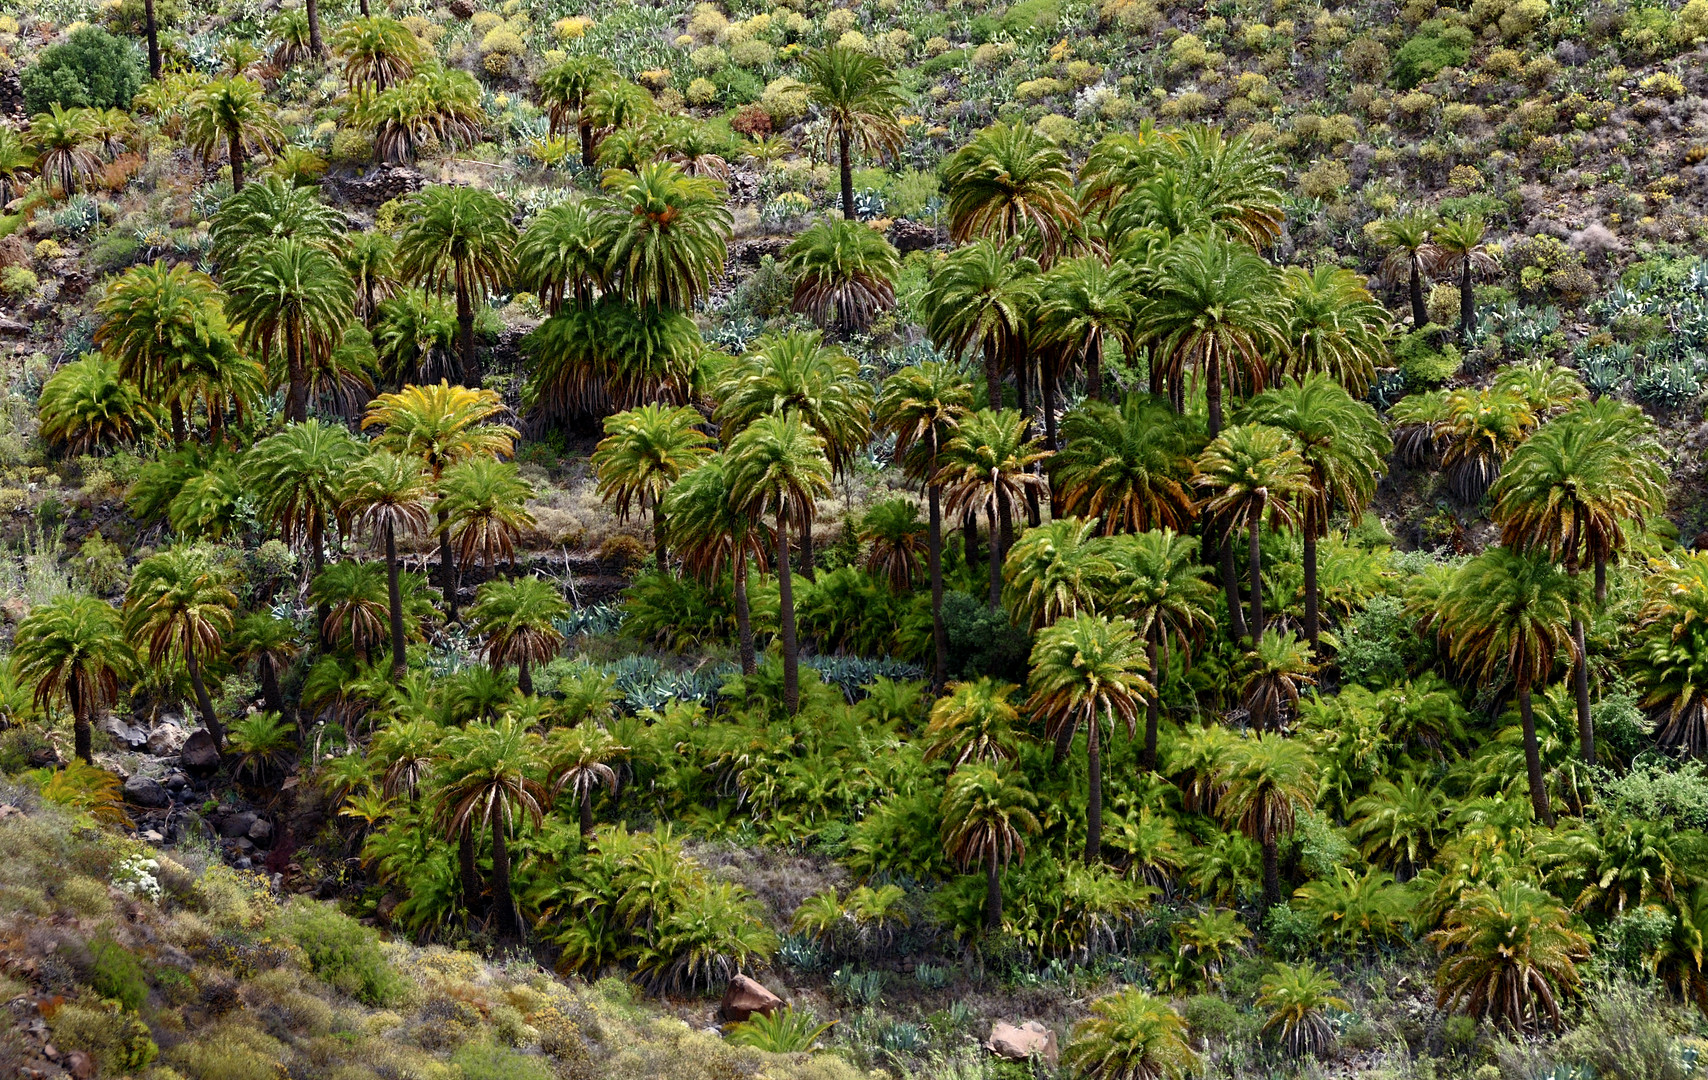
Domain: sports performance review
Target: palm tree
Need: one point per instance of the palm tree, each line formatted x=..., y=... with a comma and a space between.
x=1343, y=444
x=708, y=530
x=1215, y=309
x=1670, y=662
x=987, y=815
x=564, y=93
x=1461, y=240
x=1129, y=468
x=439, y=105
x=1250, y=472
x=354, y=597
x=1088, y=671
x=1264, y=781
x=1131, y=1036
x=73, y=647
x=579, y=758
x=377, y=52
x=974, y=724
x=1056, y=571
x=860, y=100
x=386, y=494
x=667, y=235
x=64, y=155
x=892, y=531
x=270, y=211
x=1506, y=616
x=984, y=294
x=489, y=778
x=518, y=618
x=1010, y=182
x=644, y=452
x=985, y=467
x=180, y=607
x=297, y=297
x=460, y=237
x=922, y=407
x=780, y=468
x=85, y=406
x=158, y=322
x=271, y=642
x=369, y=259
x=233, y=111
x=844, y=273
x=798, y=371
x=1280, y=667
x=485, y=505
x=560, y=254
x=1161, y=588
x=1332, y=326
x=1511, y=954
x=1297, y=995
x=298, y=477
x=1084, y=303
x=1414, y=253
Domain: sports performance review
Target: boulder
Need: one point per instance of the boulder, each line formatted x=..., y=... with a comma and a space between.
x=1026, y=1042
x=199, y=755
x=236, y=825
x=744, y=997
x=145, y=792
x=261, y=832
x=908, y=236
x=123, y=734
x=79, y=1064
x=166, y=738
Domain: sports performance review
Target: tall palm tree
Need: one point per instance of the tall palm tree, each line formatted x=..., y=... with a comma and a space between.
x=708, y=530
x=490, y=777
x=298, y=477
x=485, y=504
x=1411, y=236
x=1088, y=671
x=644, y=452
x=1510, y=956
x=560, y=254
x=1056, y=571
x=158, y=321
x=1505, y=616
x=1461, y=240
x=1128, y=467
x=378, y=52
x=1010, y=182
x=844, y=273
x=1568, y=490
x=1131, y=1035
x=233, y=111
x=1084, y=303
x=73, y=647
x=1332, y=326
x=987, y=815
x=179, y=606
x=984, y=295
x=296, y=297
x=667, y=235
x=974, y=724
x=1265, y=779
x=860, y=101
x=780, y=468
x=1670, y=662
x=386, y=494
x=1160, y=586
x=985, y=467
x=518, y=618
x=1344, y=445
x=459, y=237
x=564, y=91
x=922, y=407
x=579, y=758
x=1250, y=472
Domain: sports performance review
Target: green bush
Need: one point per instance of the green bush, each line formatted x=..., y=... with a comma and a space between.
x=17, y=282
x=1433, y=47
x=94, y=69
x=342, y=952
x=1422, y=363
x=982, y=641
x=486, y=1061
x=116, y=974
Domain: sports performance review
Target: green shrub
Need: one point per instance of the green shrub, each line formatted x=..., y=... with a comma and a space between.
x=342, y=952
x=94, y=69
x=231, y=1052
x=486, y=1061
x=1433, y=47
x=982, y=641
x=17, y=282
x=1214, y=1018
x=1422, y=363
x=119, y=1043
x=117, y=974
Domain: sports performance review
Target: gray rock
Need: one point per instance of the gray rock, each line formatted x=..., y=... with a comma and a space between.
x=176, y=781
x=199, y=756
x=236, y=825
x=261, y=832
x=167, y=738
x=145, y=792
x=123, y=734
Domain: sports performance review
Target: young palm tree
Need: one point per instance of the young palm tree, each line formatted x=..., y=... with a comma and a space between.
x=1088, y=671
x=459, y=237
x=580, y=760
x=270, y=211
x=780, y=468
x=666, y=237
x=1264, y=781
x=1084, y=303
x=892, y=533
x=518, y=618
x=1130, y=468
x=370, y=260
x=386, y=494
x=158, y=322
x=1410, y=235
x=354, y=597
x=485, y=503
x=1056, y=571
x=985, y=468
x=1510, y=956
x=1461, y=240
x=644, y=452
x=295, y=297
x=438, y=106
x=1296, y=996
x=73, y=647
x=564, y=93
x=1010, y=182
x=860, y=101
x=62, y=140
x=271, y=643
x=180, y=607
x=844, y=273
x=1333, y=326
x=923, y=407
x=1248, y=473
x=560, y=254
x=1131, y=1036
x=377, y=52
x=987, y=815
x=708, y=531
x=984, y=295
x=86, y=406
x=1280, y=666
x=1344, y=446
x=1505, y=616
x=233, y=111
x=298, y=476
x=974, y=724
x=489, y=778
x=1160, y=586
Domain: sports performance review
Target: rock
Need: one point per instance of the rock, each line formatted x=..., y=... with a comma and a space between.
x=153, y=837
x=261, y=832
x=744, y=997
x=131, y=738
x=199, y=755
x=145, y=792
x=8, y=810
x=387, y=907
x=380, y=186
x=79, y=1064
x=176, y=781
x=1027, y=1042
x=236, y=825
x=166, y=738
x=908, y=236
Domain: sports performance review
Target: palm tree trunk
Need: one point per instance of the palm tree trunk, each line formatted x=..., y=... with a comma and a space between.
x=524, y=681
x=992, y=377
x=658, y=548
x=1047, y=377
x=180, y=429
x=234, y=141
x=1094, y=799
x=809, y=558
x=1533, y=760
x=314, y=42
x=1271, y=871
x=82, y=731
x=934, y=560
x=1230, y=585
x=587, y=158
x=465, y=337
x=995, y=563
x=394, y=588
x=970, y=538
x=1419, y=310
x=1153, y=706
x=152, y=29
x=743, y=616
x=296, y=395
x=1312, y=627
x=1600, y=579
x=1256, y=571
x=509, y=925
x=469, y=870
x=1094, y=369
x=1467, y=301
x=786, y=617
x=317, y=564
x=847, y=168
x=1005, y=522
x=993, y=897
x=270, y=691
x=1580, y=681
x=586, y=814
x=1213, y=393
x=447, y=569
x=203, y=702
